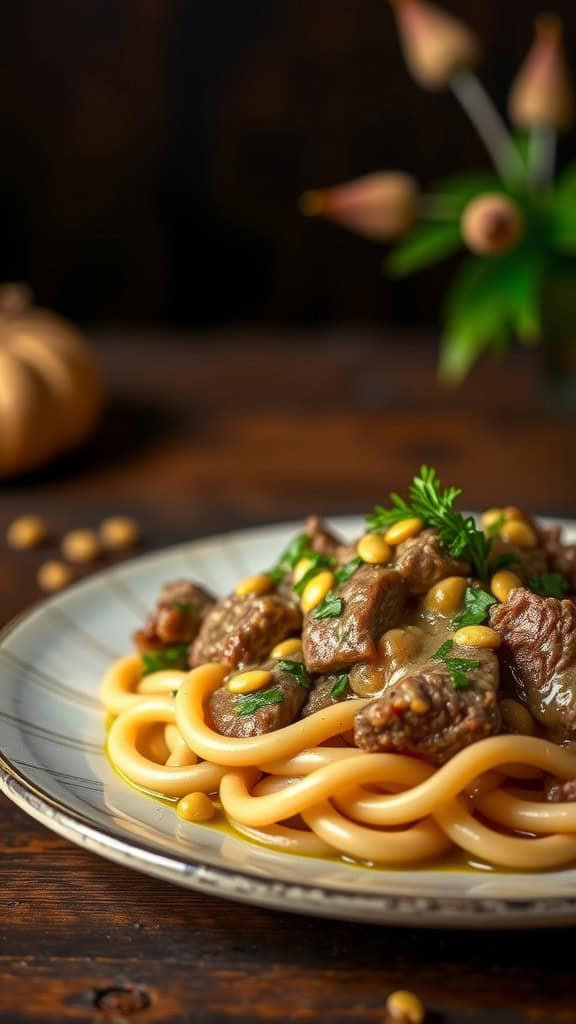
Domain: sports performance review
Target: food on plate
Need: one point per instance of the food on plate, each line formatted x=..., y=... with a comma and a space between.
x=390, y=700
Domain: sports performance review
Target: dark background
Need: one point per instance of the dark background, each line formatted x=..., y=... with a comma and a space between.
x=153, y=152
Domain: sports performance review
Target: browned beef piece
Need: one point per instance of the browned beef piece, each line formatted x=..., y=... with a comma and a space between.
x=321, y=696
x=373, y=601
x=321, y=540
x=561, y=557
x=422, y=561
x=242, y=630
x=539, y=646
x=424, y=715
x=223, y=707
x=177, y=617
x=558, y=791
x=527, y=562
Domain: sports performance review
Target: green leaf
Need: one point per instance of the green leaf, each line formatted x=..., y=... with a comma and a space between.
x=476, y=606
x=290, y=556
x=347, y=571
x=248, y=703
x=318, y=561
x=455, y=192
x=504, y=562
x=175, y=656
x=330, y=608
x=549, y=584
x=566, y=183
x=297, y=670
x=427, y=244
x=442, y=651
x=339, y=686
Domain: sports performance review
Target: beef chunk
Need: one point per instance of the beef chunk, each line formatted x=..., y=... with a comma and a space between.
x=321, y=696
x=321, y=540
x=177, y=617
x=373, y=601
x=422, y=562
x=561, y=557
x=425, y=716
x=241, y=630
x=558, y=791
x=539, y=646
x=223, y=714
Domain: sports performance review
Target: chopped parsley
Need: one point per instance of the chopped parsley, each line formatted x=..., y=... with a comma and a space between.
x=339, y=686
x=343, y=574
x=175, y=656
x=458, y=534
x=457, y=667
x=549, y=584
x=296, y=550
x=317, y=561
x=494, y=529
x=330, y=608
x=475, y=611
x=248, y=703
x=183, y=606
x=297, y=669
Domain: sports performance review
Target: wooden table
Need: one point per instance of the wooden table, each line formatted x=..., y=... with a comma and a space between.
x=217, y=431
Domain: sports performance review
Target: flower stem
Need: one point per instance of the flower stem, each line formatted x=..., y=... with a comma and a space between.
x=490, y=126
x=542, y=156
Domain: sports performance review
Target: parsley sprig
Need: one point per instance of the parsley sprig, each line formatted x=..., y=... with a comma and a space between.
x=549, y=584
x=175, y=656
x=427, y=501
x=296, y=550
x=339, y=687
x=345, y=573
x=248, y=703
x=317, y=561
x=330, y=608
x=477, y=604
x=297, y=670
x=457, y=667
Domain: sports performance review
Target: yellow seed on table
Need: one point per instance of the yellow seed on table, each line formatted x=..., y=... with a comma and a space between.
x=477, y=636
x=259, y=584
x=403, y=530
x=491, y=516
x=405, y=1007
x=247, y=682
x=446, y=596
x=195, y=807
x=515, y=531
x=53, y=576
x=118, y=532
x=516, y=717
x=283, y=650
x=26, y=532
x=300, y=569
x=315, y=591
x=80, y=546
x=372, y=548
x=503, y=582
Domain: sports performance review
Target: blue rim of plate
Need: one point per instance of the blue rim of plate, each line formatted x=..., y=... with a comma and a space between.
x=244, y=887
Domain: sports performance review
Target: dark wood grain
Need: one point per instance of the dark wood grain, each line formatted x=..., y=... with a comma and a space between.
x=229, y=432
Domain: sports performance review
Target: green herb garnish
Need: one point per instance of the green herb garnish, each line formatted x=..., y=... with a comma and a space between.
x=475, y=611
x=183, y=606
x=494, y=529
x=330, y=608
x=457, y=667
x=339, y=686
x=343, y=574
x=164, y=658
x=297, y=669
x=317, y=561
x=549, y=584
x=248, y=703
x=459, y=534
x=290, y=556
x=174, y=692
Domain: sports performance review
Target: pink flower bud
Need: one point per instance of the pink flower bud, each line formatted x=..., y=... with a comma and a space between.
x=380, y=206
x=436, y=45
x=542, y=94
x=491, y=223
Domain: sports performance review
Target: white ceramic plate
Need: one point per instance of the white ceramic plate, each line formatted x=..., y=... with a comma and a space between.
x=52, y=764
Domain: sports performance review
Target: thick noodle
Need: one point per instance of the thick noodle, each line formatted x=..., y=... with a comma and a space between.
x=294, y=791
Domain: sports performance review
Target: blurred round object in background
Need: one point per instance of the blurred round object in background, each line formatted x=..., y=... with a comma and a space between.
x=53, y=575
x=119, y=532
x=80, y=546
x=50, y=384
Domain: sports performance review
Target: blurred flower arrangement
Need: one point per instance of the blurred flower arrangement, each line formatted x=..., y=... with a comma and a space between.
x=518, y=223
